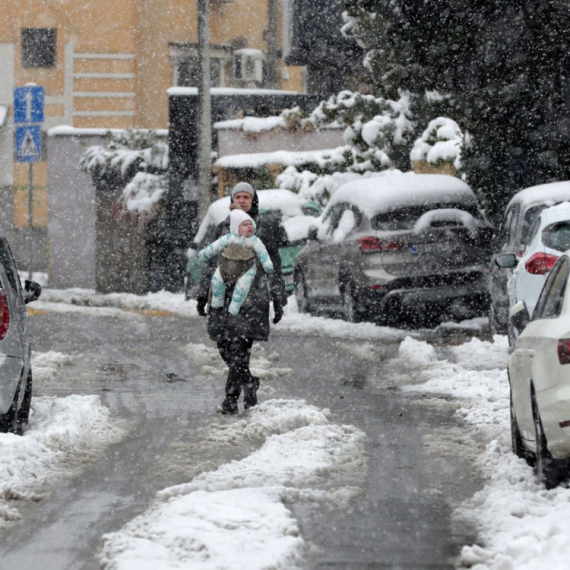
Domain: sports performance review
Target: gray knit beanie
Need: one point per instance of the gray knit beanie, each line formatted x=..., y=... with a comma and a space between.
x=243, y=187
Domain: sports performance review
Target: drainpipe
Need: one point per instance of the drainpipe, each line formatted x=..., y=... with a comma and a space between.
x=272, y=41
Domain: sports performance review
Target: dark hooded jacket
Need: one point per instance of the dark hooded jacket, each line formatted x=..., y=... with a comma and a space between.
x=253, y=319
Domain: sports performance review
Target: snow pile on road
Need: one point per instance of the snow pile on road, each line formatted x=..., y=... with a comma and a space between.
x=165, y=303
x=234, y=517
x=63, y=435
x=46, y=364
x=521, y=525
x=302, y=323
x=161, y=302
x=416, y=352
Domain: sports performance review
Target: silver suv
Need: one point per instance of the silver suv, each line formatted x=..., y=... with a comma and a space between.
x=397, y=246
x=15, y=344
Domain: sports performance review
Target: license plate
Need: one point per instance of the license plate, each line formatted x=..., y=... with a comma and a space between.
x=288, y=279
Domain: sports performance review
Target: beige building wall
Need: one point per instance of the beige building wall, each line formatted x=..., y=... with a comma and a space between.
x=114, y=65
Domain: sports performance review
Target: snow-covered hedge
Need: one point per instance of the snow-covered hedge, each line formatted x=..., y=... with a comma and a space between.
x=135, y=158
x=441, y=142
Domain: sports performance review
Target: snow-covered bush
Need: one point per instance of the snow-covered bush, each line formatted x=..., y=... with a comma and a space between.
x=135, y=159
x=377, y=136
x=441, y=142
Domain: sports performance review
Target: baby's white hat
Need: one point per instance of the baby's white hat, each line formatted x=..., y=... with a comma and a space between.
x=236, y=218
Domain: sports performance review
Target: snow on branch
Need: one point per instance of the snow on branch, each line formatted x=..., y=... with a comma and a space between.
x=441, y=142
x=135, y=158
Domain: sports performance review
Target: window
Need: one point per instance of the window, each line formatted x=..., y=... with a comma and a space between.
x=557, y=236
x=532, y=233
x=549, y=305
x=188, y=72
x=7, y=262
x=405, y=218
x=39, y=47
x=507, y=234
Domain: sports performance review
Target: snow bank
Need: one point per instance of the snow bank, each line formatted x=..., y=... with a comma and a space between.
x=64, y=434
x=234, y=517
x=115, y=304
x=302, y=323
x=520, y=525
x=46, y=364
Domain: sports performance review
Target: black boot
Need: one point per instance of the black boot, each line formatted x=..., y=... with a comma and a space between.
x=250, y=392
x=229, y=406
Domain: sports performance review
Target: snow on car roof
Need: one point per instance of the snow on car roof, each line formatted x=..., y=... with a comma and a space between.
x=287, y=202
x=553, y=191
x=556, y=213
x=396, y=189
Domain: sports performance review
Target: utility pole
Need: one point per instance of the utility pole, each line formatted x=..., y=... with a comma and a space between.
x=204, y=110
x=272, y=42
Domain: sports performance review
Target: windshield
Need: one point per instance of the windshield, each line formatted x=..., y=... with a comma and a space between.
x=406, y=218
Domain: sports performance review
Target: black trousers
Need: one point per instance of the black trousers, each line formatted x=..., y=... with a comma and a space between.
x=236, y=354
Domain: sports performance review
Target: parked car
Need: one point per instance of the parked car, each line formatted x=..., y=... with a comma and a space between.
x=548, y=238
x=539, y=377
x=397, y=245
x=513, y=236
x=295, y=214
x=15, y=344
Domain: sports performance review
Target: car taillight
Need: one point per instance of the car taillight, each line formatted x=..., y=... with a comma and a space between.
x=564, y=351
x=370, y=244
x=4, y=314
x=540, y=263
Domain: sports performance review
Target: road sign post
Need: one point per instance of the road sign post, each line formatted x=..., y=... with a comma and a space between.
x=28, y=116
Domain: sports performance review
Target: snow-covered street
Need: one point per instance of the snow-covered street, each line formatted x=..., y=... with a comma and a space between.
x=361, y=431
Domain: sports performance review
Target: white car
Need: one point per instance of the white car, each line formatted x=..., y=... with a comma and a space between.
x=539, y=377
x=549, y=237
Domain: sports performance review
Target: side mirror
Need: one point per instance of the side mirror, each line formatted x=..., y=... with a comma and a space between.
x=313, y=232
x=519, y=316
x=32, y=291
x=506, y=260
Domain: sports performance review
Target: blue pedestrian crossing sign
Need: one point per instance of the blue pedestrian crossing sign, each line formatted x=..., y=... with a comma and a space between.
x=29, y=104
x=28, y=143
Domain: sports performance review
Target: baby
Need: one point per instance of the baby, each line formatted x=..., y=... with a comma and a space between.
x=237, y=252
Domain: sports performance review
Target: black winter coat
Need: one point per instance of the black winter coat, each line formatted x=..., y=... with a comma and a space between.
x=253, y=319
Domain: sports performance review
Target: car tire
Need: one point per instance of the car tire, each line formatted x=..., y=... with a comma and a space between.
x=392, y=312
x=9, y=420
x=494, y=325
x=24, y=412
x=546, y=468
x=301, y=293
x=351, y=311
x=516, y=440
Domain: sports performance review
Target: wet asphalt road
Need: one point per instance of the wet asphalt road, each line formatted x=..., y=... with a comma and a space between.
x=141, y=371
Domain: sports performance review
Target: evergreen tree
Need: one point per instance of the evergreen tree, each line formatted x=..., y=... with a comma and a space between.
x=503, y=65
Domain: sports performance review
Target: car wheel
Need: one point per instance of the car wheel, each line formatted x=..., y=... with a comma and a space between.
x=301, y=292
x=9, y=420
x=24, y=413
x=392, y=313
x=516, y=440
x=546, y=468
x=352, y=313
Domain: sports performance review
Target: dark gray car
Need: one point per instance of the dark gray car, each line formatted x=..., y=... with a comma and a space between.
x=398, y=245
x=15, y=344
